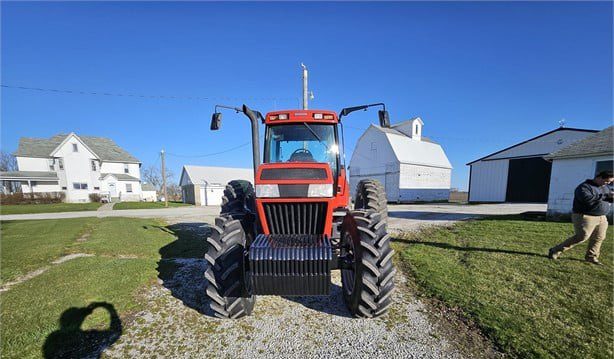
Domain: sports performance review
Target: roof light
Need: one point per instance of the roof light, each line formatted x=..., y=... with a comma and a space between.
x=318, y=116
x=329, y=117
x=282, y=116
x=273, y=117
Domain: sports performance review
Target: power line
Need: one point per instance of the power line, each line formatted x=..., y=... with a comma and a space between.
x=210, y=154
x=166, y=97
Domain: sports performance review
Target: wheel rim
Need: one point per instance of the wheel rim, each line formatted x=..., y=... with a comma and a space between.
x=348, y=275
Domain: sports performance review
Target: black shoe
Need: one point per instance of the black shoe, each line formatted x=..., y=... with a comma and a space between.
x=552, y=254
x=594, y=261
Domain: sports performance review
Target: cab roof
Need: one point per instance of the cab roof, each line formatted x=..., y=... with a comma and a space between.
x=291, y=116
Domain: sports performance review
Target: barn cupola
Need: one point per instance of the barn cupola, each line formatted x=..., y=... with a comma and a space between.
x=412, y=128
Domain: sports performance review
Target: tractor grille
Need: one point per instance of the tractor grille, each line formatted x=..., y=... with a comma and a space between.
x=295, y=218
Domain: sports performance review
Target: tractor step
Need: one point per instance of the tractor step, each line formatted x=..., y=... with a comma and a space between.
x=290, y=264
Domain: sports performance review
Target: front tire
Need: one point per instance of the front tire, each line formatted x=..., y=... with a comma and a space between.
x=368, y=285
x=227, y=286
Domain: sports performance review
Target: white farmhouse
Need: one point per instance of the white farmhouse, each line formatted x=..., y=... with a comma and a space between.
x=574, y=164
x=411, y=167
x=76, y=166
x=204, y=186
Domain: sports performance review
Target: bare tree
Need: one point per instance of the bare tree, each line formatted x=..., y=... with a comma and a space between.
x=152, y=176
x=7, y=162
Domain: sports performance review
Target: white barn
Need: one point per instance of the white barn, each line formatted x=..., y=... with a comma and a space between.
x=204, y=186
x=519, y=173
x=575, y=163
x=411, y=167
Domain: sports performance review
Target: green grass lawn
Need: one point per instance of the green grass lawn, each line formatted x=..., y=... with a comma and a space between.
x=496, y=271
x=126, y=254
x=47, y=208
x=147, y=205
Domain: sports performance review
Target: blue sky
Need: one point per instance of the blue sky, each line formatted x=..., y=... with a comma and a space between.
x=481, y=75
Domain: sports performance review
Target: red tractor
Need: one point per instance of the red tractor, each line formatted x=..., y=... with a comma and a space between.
x=286, y=236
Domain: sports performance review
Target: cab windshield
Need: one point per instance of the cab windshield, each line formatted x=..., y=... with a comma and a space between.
x=302, y=142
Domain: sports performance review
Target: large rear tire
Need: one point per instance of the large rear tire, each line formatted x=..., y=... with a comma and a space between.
x=238, y=196
x=368, y=285
x=371, y=195
x=227, y=286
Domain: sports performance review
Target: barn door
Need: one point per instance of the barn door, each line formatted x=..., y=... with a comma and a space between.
x=528, y=180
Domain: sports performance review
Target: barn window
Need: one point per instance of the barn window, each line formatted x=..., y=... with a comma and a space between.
x=75, y=148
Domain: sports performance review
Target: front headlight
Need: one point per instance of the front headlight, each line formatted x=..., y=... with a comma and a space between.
x=267, y=190
x=320, y=190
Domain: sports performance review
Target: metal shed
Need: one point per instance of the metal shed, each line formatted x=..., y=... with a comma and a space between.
x=519, y=173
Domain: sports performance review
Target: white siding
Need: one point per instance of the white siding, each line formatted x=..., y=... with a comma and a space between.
x=566, y=175
x=544, y=145
x=116, y=167
x=32, y=164
x=77, y=169
x=488, y=181
x=41, y=186
x=372, y=156
x=149, y=196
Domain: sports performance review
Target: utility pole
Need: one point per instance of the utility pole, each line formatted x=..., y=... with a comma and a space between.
x=164, y=179
x=305, y=89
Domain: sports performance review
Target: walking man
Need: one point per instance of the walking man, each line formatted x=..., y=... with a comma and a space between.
x=591, y=204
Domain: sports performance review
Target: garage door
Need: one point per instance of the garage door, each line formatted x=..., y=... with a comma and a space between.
x=528, y=180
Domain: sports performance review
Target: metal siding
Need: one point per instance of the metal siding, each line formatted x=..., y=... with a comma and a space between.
x=566, y=175
x=489, y=181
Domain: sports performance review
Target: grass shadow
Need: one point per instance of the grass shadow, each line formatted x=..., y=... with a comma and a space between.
x=182, y=265
x=467, y=248
x=70, y=341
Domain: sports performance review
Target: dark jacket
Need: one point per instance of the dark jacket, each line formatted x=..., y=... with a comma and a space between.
x=591, y=199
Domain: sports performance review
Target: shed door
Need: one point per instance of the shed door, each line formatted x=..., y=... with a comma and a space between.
x=528, y=180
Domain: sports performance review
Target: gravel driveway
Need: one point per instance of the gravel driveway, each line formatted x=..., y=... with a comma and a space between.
x=178, y=322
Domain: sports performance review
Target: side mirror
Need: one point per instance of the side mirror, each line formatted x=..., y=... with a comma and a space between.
x=384, y=119
x=216, y=121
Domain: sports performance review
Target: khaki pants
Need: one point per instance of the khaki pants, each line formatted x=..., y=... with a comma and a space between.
x=586, y=227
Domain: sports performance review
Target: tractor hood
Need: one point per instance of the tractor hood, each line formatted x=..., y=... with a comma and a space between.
x=294, y=180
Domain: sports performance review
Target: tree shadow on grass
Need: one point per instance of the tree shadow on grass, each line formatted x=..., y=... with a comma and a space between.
x=182, y=265
x=70, y=341
x=468, y=249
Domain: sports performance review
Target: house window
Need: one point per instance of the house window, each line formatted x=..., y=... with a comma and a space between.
x=51, y=165
x=97, y=188
x=126, y=169
x=78, y=185
x=128, y=187
x=75, y=148
x=63, y=188
x=93, y=165
x=61, y=163
x=603, y=166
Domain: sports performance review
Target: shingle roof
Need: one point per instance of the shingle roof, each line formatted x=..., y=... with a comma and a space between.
x=105, y=148
x=120, y=176
x=595, y=144
x=29, y=174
